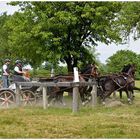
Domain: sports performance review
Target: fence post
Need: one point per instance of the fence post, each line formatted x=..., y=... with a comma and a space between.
x=76, y=75
x=45, y=100
x=75, y=104
x=94, y=95
x=17, y=94
x=52, y=72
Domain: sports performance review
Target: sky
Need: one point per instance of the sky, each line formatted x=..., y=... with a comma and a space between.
x=103, y=50
x=7, y=8
x=107, y=51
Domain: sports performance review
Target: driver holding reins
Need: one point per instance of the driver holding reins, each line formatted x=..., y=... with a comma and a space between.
x=18, y=72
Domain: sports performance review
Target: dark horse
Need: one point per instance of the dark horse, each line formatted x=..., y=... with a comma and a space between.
x=56, y=93
x=89, y=73
x=131, y=86
x=123, y=81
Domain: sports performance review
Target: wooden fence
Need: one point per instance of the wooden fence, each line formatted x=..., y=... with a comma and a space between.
x=74, y=85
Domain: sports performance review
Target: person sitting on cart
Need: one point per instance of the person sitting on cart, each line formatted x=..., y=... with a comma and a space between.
x=18, y=72
x=6, y=73
x=26, y=73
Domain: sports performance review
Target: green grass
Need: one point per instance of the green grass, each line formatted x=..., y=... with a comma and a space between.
x=99, y=122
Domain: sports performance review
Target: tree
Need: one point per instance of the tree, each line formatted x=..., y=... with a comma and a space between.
x=129, y=20
x=20, y=39
x=64, y=31
x=5, y=52
x=116, y=62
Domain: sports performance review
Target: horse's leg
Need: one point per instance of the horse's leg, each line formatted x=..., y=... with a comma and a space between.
x=89, y=93
x=103, y=99
x=50, y=98
x=51, y=95
x=120, y=94
x=132, y=93
x=60, y=98
x=106, y=94
x=128, y=96
x=82, y=95
x=114, y=94
x=88, y=90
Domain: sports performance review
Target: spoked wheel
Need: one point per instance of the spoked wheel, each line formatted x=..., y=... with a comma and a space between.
x=7, y=98
x=28, y=98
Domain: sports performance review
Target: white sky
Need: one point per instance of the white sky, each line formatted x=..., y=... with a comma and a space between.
x=107, y=51
x=7, y=8
x=102, y=49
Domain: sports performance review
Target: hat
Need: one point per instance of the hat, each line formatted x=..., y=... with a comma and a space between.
x=18, y=61
x=7, y=60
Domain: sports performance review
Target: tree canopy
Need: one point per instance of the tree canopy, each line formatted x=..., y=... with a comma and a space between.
x=65, y=31
x=62, y=31
x=129, y=20
x=116, y=62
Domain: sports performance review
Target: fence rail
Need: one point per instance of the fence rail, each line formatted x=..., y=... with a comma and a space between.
x=74, y=85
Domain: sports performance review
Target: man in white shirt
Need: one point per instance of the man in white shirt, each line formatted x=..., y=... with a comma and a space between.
x=18, y=73
x=5, y=73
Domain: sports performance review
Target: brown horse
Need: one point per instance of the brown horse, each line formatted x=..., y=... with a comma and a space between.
x=89, y=73
x=123, y=81
x=56, y=93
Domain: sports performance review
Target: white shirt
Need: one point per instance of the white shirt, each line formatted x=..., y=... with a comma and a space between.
x=4, y=69
x=17, y=69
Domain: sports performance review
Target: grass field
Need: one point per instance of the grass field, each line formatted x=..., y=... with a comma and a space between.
x=100, y=122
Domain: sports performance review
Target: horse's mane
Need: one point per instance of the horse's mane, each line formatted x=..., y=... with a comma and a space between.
x=126, y=68
x=86, y=69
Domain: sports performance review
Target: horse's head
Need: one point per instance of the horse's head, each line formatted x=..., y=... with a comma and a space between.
x=90, y=70
x=129, y=69
x=94, y=70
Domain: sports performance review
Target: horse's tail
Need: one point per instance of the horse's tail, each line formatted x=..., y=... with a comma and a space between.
x=136, y=88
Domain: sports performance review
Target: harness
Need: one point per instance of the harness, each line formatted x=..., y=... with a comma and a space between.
x=126, y=78
x=115, y=78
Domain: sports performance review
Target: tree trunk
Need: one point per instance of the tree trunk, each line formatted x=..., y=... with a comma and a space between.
x=71, y=62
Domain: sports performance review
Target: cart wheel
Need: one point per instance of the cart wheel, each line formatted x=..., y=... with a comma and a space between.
x=7, y=98
x=28, y=97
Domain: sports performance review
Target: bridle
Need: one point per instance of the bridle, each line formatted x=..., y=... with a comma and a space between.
x=91, y=72
x=94, y=71
x=131, y=71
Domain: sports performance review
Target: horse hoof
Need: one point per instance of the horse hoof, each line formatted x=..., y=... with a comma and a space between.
x=83, y=103
x=89, y=98
x=103, y=103
x=130, y=102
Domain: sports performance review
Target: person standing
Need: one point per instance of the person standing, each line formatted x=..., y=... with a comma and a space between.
x=6, y=73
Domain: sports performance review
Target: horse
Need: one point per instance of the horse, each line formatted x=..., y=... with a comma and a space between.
x=129, y=70
x=56, y=93
x=131, y=86
x=123, y=81
x=89, y=73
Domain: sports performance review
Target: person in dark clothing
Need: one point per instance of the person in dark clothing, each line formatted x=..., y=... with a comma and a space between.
x=18, y=73
x=5, y=73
